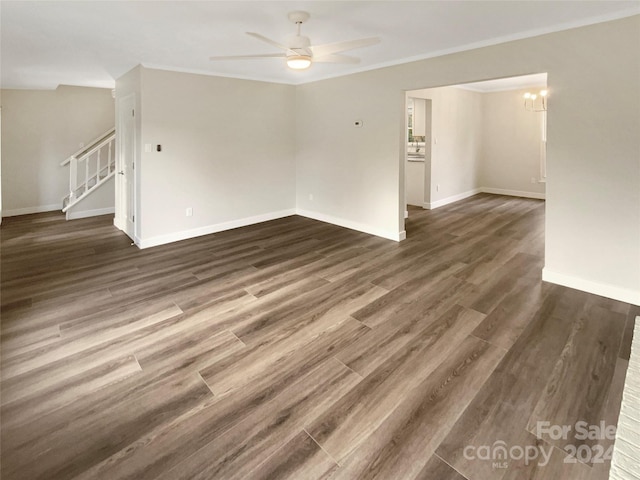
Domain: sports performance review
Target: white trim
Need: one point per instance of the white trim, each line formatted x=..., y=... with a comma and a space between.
x=117, y=222
x=463, y=86
x=451, y=199
x=29, y=210
x=513, y=193
x=603, y=289
x=210, y=73
x=90, y=213
x=475, y=191
x=360, y=227
x=209, y=229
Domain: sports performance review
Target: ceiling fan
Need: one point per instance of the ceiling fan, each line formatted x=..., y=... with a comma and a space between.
x=300, y=54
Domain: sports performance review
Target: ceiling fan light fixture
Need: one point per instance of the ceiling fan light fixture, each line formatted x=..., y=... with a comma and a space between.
x=299, y=62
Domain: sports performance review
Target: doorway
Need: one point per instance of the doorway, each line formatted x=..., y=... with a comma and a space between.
x=418, y=156
x=480, y=137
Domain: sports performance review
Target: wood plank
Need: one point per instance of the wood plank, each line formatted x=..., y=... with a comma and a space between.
x=591, y=352
x=502, y=407
x=350, y=421
x=168, y=444
x=401, y=445
x=625, y=346
x=436, y=468
x=378, y=345
x=257, y=437
x=510, y=317
x=41, y=397
x=301, y=457
x=99, y=432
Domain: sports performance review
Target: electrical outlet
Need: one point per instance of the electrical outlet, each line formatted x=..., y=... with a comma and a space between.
x=189, y=212
x=437, y=187
x=311, y=196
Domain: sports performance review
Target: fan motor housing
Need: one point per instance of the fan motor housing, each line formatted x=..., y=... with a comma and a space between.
x=298, y=41
x=299, y=16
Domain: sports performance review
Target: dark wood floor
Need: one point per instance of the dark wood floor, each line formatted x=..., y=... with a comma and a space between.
x=296, y=349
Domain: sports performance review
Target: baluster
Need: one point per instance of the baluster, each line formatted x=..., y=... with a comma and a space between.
x=109, y=159
x=98, y=166
x=73, y=178
x=86, y=174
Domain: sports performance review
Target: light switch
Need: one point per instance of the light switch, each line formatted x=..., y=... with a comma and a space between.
x=148, y=148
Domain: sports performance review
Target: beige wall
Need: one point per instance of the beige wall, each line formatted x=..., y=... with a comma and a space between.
x=414, y=183
x=511, y=143
x=593, y=186
x=39, y=130
x=456, y=143
x=228, y=152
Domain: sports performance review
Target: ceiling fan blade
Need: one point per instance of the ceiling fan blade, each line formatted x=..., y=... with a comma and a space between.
x=336, y=59
x=244, y=57
x=329, y=48
x=270, y=42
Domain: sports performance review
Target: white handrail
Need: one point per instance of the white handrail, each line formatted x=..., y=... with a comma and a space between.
x=95, y=149
x=90, y=144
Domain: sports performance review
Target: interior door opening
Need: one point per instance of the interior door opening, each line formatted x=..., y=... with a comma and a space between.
x=461, y=140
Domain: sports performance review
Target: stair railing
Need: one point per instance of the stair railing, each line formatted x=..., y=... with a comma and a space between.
x=89, y=167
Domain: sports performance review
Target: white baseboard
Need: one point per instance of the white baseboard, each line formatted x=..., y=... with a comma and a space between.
x=475, y=191
x=604, y=290
x=30, y=210
x=90, y=213
x=209, y=229
x=451, y=199
x=513, y=193
x=360, y=227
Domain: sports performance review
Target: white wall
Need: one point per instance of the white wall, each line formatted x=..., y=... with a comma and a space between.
x=593, y=166
x=228, y=152
x=40, y=129
x=511, y=143
x=456, y=142
x=352, y=173
x=415, y=183
x=100, y=202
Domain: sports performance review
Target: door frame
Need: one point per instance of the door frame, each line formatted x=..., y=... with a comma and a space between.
x=126, y=107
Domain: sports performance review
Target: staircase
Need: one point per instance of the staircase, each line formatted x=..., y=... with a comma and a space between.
x=90, y=167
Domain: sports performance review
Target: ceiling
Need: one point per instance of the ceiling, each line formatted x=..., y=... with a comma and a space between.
x=91, y=43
